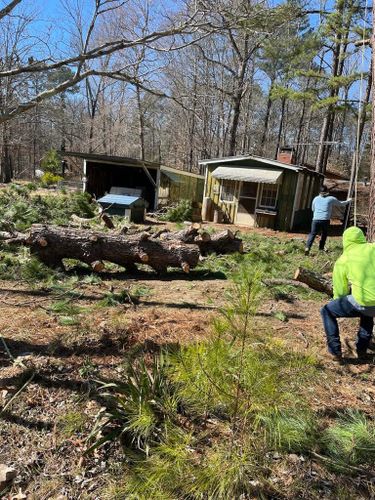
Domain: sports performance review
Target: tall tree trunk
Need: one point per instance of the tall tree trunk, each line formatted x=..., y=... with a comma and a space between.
x=234, y=125
x=371, y=214
x=192, y=125
x=283, y=101
x=266, y=120
x=141, y=125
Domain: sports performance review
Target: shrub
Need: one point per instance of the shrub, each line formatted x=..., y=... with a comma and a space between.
x=139, y=408
x=181, y=212
x=51, y=162
x=50, y=179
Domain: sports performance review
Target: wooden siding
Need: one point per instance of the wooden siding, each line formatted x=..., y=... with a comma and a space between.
x=285, y=202
x=180, y=187
x=303, y=216
x=229, y=209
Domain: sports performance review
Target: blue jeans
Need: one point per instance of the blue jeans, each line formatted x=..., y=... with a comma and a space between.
x=318, y=226
x=342, y=308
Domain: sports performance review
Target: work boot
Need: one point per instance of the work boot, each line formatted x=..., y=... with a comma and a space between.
x=361, y=353
x=336, y=358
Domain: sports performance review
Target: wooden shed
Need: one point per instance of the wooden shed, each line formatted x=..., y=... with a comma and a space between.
x=153, y=182
x=256, y=191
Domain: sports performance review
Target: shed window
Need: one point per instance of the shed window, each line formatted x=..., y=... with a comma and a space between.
x=269, y=195
x=227, y=190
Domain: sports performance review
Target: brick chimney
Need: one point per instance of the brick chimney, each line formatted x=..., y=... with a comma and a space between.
x=286, y=154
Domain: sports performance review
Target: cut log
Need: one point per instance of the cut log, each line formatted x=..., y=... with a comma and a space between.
x=98, y=266
x=107, y=220
x=93, y=248
x=314, y=280
x=221, y=243
x=186, y=235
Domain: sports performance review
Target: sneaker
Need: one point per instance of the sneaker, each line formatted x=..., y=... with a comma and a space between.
x=323, y=250
x=307, y=251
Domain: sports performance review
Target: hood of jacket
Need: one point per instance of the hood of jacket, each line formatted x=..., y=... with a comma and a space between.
x=353, y=236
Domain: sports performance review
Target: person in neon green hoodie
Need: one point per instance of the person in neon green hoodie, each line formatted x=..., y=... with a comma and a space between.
x=353, y=292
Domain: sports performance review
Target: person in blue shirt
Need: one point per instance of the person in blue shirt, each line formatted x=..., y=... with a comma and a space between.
x=322, y=207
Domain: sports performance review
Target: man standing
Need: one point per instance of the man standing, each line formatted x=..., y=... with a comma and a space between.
x=355, y=269
x=322, y=207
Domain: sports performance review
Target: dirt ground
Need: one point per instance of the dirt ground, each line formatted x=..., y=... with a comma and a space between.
x=46, y=369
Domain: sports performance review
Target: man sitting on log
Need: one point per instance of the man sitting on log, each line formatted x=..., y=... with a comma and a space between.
x=353, y=292
x=322, y=207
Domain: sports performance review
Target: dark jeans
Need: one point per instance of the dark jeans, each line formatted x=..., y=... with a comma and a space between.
x=342, y=308
x=318, y=226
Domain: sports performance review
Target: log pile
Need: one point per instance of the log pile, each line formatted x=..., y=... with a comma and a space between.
x=183, y=249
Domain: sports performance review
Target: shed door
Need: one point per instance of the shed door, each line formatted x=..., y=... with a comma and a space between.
x=247, y=204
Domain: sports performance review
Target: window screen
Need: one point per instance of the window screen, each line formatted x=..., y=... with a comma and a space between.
x=227, y=190
x=269, y=195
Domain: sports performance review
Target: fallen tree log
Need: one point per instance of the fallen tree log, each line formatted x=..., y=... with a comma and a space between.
x=221, y=243
x=314, y=280
x=52, y=244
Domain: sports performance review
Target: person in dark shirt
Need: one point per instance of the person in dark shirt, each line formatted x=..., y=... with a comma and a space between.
x=322, y=207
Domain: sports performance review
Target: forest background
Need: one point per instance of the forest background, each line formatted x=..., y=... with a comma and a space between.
x=180, y=81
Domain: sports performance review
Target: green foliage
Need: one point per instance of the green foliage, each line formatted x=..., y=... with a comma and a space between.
x=227, y=472
x=20, y=208
x=51, y=162
x=18, y=265
x=112, y=299
x=351, y=441
x=276, y=258
x=72, y=423
x=88, y=369
x=210, y=375
x=291, y=431
x=64, y=307
x=203, y=418
x=50, y=179
x=181, y=212
x=139, y=408
x=126, y=296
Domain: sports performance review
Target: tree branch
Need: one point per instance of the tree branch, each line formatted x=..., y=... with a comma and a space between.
x=8, y=8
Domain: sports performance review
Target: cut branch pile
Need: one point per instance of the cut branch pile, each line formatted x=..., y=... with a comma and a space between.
x=52, y=244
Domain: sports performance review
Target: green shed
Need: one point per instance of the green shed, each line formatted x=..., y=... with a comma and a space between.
x=256, y=191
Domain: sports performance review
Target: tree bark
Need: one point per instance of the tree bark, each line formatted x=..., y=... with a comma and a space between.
x=52, y=244
x=314, y=280
x=224, y=242
x=371, y=213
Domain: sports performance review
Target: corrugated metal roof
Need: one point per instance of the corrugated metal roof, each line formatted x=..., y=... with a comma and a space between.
x=252, y=158
x=119, y=199
x=234, y=173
